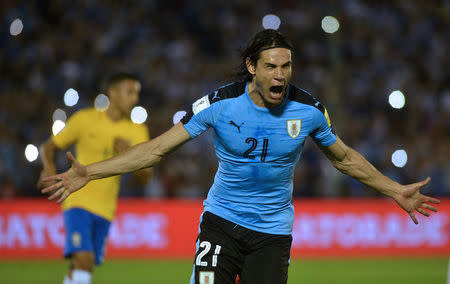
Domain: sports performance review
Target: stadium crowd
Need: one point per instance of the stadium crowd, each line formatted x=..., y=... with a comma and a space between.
x=182, y=50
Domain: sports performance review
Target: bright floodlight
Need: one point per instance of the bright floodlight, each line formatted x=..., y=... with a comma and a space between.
x=59, y=114
x=31, y=153
x=397, y=99
x=330, y=24
x=16, y=27
x=71, y=97
x=58, y=125
x=399, y=158
x=271, y=22
x=138, y=115
x=101, y=102
x=178, y=116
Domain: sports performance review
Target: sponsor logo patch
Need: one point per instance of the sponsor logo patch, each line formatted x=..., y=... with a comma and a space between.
x=200, y=104
x=293, y=127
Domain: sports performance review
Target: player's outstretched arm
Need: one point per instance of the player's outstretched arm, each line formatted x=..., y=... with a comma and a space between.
x=47, y=153
x=352, y=163
x=138, y=157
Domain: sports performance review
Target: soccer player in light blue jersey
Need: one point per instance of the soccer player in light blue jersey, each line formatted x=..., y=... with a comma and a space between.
x=260, y=125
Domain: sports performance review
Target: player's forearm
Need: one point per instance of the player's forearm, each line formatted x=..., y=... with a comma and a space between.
x=138, y=157
x=47, y=153
x=356, y=166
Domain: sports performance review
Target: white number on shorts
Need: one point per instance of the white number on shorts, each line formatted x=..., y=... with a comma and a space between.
x=214, y=258
x=207, y=246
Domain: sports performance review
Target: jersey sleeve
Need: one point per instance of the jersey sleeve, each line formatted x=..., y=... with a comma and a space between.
x=323, y=133
x=70, y=132
x=202, y=116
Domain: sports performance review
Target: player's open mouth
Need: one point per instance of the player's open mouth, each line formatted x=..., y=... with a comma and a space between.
x=276, y=92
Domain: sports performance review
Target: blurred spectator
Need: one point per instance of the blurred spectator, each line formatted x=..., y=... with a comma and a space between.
x=184, y=49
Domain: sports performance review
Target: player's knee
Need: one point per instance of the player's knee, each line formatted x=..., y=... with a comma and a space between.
x=83, y=261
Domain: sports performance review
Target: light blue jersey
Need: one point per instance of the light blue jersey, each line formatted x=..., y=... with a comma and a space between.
x=257, y=149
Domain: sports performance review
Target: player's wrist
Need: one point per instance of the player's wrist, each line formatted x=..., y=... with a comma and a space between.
x=49, y=170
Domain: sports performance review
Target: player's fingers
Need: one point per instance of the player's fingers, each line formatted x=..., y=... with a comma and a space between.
x=423, y=212
x=429, y=207
x=41, y=185
x=413, y=217
x=52, y=178
x=426, y=181
x=71, y=158
x=64, y=195
x=52, y=187
x=431, y=200
x=57, y=193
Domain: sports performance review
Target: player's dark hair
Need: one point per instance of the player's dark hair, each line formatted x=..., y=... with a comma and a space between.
x=263, y=40
x=119, y=77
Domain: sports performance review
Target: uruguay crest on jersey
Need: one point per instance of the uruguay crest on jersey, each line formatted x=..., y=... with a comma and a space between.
x=293, y=127
x=206, y=277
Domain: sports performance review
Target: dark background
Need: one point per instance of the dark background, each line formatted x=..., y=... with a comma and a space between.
x=182, y=50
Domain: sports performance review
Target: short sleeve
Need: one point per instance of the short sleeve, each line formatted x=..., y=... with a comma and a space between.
x=70, y=132
x=323, y=133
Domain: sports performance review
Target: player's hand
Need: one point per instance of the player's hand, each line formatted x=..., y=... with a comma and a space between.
x=67, y=182
x=121, y=145
x=46, y=172
x=410, y=199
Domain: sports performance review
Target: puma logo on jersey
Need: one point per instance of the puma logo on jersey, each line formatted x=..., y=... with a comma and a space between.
x=216, y=93
x=238, y=127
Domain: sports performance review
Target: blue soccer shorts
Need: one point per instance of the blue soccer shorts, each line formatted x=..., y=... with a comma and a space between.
x=85, y=231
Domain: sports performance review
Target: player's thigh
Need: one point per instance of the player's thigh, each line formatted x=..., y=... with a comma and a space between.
x=269, y=262
x=218, y=258
x=78, y=226
x=99, y=238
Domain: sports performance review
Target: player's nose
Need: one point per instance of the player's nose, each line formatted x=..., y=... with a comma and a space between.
x=278, y=75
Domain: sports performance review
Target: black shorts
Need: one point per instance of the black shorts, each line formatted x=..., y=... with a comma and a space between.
x=225, y=250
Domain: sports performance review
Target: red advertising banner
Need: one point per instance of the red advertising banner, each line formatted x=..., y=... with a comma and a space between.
x=377, y=227
x=167, y=229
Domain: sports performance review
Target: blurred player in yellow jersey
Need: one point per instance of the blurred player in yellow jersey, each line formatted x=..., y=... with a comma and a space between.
x=97, y=136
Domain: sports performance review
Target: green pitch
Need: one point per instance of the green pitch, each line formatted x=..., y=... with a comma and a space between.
x=367, y=271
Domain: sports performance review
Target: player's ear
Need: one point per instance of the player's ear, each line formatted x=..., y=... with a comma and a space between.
x=112, y=92
x=250, y=66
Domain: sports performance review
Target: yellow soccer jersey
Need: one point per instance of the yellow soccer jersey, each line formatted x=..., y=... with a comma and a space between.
x=93, y=134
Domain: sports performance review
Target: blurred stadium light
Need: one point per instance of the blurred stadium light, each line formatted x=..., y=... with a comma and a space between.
x=399, y=158
x=178, y=116
x=271, y=22
x=58, y=125
x=101, y=102
x=71, y=97
x=31, y=152
x=330, y=24
x=59, y=114
x=16, y=27
x=138, y=115
x=397, y=99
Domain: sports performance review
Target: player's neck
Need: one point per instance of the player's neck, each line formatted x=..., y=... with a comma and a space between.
x=114, y=113
x=256, y=96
